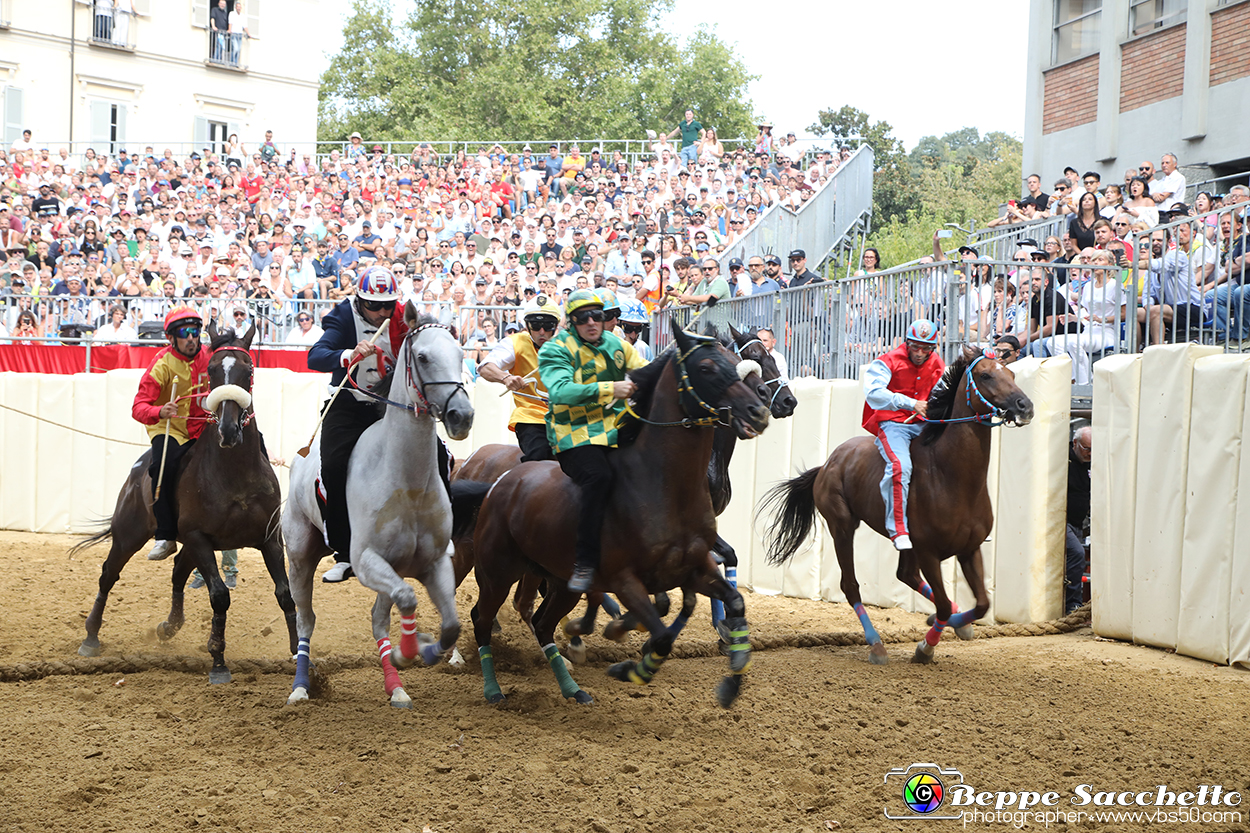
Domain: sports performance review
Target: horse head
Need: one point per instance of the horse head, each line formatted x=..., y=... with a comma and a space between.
x=712, y=381
x=230, y=371
x=990, y=386
x=771, y=388
x=434, y=365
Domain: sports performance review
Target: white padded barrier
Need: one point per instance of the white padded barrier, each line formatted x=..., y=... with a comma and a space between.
x=1033, y=472
x=1162, y=449
x=846, y=414
x=1113, y=497
x=1215, y=450
x=736, y=524
x=809, y=438
x=1239, y=575
x=772, y=465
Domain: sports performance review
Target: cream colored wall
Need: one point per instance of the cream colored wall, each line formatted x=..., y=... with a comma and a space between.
x=1171, y=521
x=62, y=481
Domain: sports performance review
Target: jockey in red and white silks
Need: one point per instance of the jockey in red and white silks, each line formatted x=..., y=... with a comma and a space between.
x=896, y=390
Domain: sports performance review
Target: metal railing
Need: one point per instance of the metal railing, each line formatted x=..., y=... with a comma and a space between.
x=1209, y=185
x=113, y=26
x=227, y=50
x=839, y=211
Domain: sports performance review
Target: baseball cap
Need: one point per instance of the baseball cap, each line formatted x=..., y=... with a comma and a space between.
x=798, y=254
x=735, y=261
x=1020, y=244
x=972, y=249
x=773, y=259
x=481, y=282
x=702, y=247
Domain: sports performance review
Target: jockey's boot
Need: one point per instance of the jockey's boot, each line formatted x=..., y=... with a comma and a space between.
x=902, y=542
x=583, y=576
x=163, y=549
x=341, y=571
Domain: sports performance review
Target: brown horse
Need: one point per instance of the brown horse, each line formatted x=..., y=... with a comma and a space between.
x=659, y=529
x=228, y=498
x=948, y=510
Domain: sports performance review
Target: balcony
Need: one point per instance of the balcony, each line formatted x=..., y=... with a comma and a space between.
x=227, y=50
x=113, y=25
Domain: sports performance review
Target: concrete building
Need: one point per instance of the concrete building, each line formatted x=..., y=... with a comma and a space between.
x=1114, y=82
x=114, y=74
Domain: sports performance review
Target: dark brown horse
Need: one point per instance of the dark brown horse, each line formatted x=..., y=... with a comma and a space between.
x=659, y=529
x=948, y=510
x=227, y=498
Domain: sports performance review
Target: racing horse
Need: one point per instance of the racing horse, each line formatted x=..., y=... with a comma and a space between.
x=401, y=514
x=227, y=498
x=948, y=508
x=659, y=528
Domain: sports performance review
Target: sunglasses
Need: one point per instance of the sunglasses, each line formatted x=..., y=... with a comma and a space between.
x=543, y=326
x=585, y=316
x=632, y=328
x=376, y=306
x=189, y=331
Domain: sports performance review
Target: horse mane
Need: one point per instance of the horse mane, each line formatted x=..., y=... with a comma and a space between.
x=942, y=397
x=646, y=378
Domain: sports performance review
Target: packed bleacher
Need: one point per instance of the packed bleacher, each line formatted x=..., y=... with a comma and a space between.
x=99, y=247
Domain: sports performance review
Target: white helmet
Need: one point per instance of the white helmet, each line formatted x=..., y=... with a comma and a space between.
x=378, y=284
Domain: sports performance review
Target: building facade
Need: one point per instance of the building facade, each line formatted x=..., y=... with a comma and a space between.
x=114, y=74
x=1114, y=82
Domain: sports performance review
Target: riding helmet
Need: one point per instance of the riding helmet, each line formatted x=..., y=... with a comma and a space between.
x=610, y=301
x=580, y=298
x=543, y=307
x=378, y=284
x=923, y=330
x=180, y=314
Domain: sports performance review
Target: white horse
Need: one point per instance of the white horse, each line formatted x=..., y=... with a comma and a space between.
x=401, y=515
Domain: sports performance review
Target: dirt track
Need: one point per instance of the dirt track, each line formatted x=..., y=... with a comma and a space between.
x=808, y=743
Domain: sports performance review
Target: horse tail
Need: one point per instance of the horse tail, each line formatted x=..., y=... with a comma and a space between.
x=103, y=535
x=466, y=500
x=793, y=502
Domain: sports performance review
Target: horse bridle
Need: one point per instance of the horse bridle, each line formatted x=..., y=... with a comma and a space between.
x=971, y=389
x=722, y=416
x=249, y=412
x=424, y=406
x=780, y=381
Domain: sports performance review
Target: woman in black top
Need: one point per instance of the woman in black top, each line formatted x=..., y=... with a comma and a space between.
x=1081, y=226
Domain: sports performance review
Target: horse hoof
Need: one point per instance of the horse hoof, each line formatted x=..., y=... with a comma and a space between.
x=583, y=698
x=577, y=651
x=456, y=661
x=965, y=633
x=399, y=660
x=165, y=631
x=878, y=655
x=930, y=619
x=219, y=676
x=496, y=699
x=621, y=671
x=90, y=647
x=616, y=630
x=299, y=695
x=728, y=689
x=400, y=699
x=495, y=627
x=923, y=655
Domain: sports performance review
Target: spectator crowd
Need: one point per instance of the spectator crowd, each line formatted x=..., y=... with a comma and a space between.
x=251, y=233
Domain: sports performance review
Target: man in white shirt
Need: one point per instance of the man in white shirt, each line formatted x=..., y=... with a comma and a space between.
x=306, y=333
x=1169, y=190
x=769, y=340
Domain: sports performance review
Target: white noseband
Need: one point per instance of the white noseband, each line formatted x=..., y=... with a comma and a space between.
x=748, y=366
x=221, y=393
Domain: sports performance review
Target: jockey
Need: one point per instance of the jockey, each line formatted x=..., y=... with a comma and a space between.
x=633, y=319
x=896, y=390
x=583, y=368
x=173, y=426
x=349, y=327
x=514, y=362
x=611, y=310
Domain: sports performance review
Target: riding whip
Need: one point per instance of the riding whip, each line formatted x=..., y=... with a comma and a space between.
x=160, y=476
x=303, y=452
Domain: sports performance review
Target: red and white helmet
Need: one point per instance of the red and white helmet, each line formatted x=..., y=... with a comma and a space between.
x=378, y=284
x=923, y=330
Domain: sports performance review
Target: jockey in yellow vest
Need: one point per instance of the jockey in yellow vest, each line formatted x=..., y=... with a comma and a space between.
x=514, y=362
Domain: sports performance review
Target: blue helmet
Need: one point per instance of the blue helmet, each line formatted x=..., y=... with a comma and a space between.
x=633, y=312
x=378, y=284
x=923, y=330
x=610, y=301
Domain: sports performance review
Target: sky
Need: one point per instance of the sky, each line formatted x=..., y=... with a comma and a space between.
x=896, y=60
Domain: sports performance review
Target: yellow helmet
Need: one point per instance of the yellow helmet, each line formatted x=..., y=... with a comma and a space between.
x=580, y=298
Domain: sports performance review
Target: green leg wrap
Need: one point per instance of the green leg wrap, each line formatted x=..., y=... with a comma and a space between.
x=490, y=684
x=739, y=646
x=568, y=687
x=645, y=668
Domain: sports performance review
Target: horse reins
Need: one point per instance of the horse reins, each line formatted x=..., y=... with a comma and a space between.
x=717, y=416
x=970, y=387
x=423, y=407
x=778, y=381
x=249, y=413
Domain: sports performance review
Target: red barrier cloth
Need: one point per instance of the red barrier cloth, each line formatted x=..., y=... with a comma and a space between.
x=72, y=358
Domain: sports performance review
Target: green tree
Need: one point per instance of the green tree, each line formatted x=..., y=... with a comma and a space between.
x=891, y=191
x=527, y=69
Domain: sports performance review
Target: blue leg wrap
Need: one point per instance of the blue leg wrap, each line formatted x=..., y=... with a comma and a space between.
x=925, y=590
x=870, y=633
x=301, y=665
x=610, y=606
x=958, y=620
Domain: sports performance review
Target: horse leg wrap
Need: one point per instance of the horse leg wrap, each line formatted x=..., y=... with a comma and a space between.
x=934, y=636
x=389, y=674
x=301, y=665
x=679, y=624
x=961, y=619
x=739, y=646
x=925, y=590
x=490, y=686
x=568, y=687
x=870, y=633
x=408, y=636
x=610, y=606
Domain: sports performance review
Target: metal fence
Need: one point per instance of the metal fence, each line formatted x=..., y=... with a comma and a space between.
x=835, y=215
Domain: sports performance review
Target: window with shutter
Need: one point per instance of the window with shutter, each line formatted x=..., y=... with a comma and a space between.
x=199, y=13
x=252, y=7
x=199, y=135
x=119, y=127
x=13, y=119
x=101, y=126
x=143, y=7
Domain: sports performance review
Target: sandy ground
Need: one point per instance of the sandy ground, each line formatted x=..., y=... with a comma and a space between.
x=806, y=747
